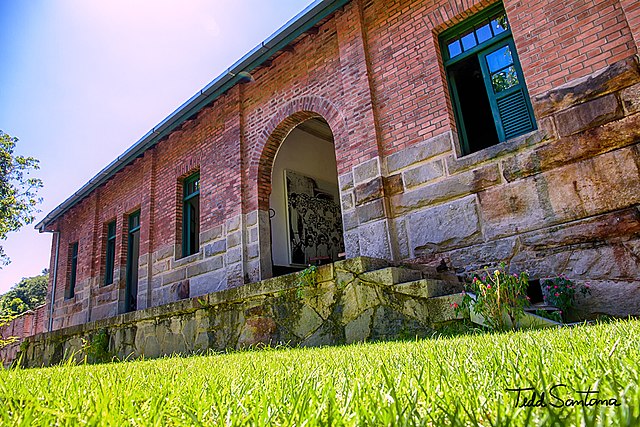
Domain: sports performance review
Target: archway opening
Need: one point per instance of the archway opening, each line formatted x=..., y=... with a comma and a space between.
x=304, y=204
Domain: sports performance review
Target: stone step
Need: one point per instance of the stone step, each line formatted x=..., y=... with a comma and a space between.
x=361, y=264
x=430, y=272
x=536, y=307
x=428, y=288
x=391, y=275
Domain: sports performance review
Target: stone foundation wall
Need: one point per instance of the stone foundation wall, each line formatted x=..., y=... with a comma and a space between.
x=355, y=300
x=564, y=199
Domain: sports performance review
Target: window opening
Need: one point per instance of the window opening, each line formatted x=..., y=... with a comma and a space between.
x=191, y=215
x=490, y=100
x=110, y=253
x=71, y=289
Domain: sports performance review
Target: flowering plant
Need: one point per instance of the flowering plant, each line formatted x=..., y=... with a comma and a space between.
x=500, y=297
x=561, y=292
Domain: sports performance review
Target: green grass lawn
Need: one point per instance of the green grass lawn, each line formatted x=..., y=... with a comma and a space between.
x=440, y=381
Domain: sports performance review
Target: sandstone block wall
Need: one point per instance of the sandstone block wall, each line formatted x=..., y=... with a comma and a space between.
x=350, y=301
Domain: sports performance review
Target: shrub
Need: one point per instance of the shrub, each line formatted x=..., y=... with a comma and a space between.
x=561, y=292
x=500, y=297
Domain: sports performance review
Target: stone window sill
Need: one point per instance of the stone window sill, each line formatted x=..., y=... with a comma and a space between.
x=187, y=260
x=462, y=163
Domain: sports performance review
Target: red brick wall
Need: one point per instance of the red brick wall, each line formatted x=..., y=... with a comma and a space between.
x=373, y=71
x=27, y=324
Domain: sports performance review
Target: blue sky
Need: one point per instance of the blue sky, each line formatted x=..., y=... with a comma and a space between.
x=83, y=80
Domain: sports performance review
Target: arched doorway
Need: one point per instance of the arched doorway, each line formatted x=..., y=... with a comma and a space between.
x=304, y=205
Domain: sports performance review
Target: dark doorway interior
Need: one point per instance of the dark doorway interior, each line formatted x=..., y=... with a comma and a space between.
x=479, y=129
x=131, y=290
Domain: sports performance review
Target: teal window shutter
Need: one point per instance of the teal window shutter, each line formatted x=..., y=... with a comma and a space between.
x=508, y=96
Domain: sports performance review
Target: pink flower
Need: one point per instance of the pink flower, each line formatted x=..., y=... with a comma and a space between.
x=548, y=286
x=455, y=305
x=557, y=294
x=555, y=287
x=488, y=286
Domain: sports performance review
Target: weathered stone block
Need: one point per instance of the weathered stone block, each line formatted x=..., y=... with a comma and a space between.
x=204, y=266
x=162, y=253
x=449, y=225
x=432, y=147
x=366, y=171
x=215, y=248
x=423, y=174
x=631, y=99
x=253, y=251
x=369, y=190
x=210, y=234
x=604, y=183
x=308, y=322
x=252, y=218
x=325, y=335
x=601, y=228
x=581, y=146
x=207, y=283
x=516, y=207
x=427, y=288
x=442, y=309
x=234, y=239
x=610, y=298
x=370, y=211
x=450, y=188
x=174, y=276
x=401, y=242
x=374, y=240
x=393, y=184
x=233, y=223
x=588, y=115
x=257, y=330
x=349, y=220
x=346, y=201
x=345, y=181
x=610, y=79
x=234, y=255
x=359, y=329
x=455, y=165
x=475, y=257
x=390, y=275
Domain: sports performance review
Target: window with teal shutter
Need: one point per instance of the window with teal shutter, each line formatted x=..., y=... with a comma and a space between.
x=490, y=100
x=191, y=215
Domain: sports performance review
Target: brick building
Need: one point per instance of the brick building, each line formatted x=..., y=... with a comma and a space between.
x=468, y=131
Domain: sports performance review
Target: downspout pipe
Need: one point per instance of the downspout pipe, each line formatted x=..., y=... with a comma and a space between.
x=55, y=279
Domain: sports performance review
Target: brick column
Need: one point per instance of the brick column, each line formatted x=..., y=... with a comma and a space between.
x=364, y=204
x=145, y=268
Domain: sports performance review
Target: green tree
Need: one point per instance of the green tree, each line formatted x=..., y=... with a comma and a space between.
x=27, y=294
x=18, y=191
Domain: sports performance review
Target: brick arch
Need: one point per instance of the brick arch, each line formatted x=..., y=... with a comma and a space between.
x=278, y=128
x=455, y=12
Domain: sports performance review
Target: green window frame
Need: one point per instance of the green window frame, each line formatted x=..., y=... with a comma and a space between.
x=73, y=259
x=487, y=37
x=110, y=253
x=191, y=215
